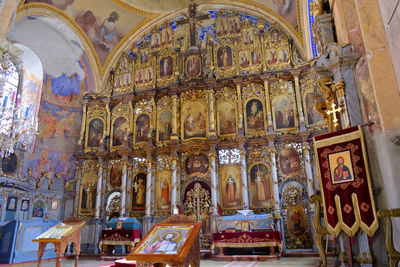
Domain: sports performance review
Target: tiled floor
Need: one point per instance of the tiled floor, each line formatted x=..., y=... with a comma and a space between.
x=292, y=261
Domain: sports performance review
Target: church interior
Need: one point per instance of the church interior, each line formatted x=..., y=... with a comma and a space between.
x=199, y=133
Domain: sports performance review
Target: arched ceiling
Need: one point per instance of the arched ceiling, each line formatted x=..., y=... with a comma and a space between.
x=105, y=27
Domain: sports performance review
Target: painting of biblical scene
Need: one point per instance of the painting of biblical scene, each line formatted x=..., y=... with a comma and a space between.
x=148, y=76
x=142, y=128
x=165, y=239
x=194, y=120
x=260, y=186
x=255, y=116
x=166, y=36
x=165, y=126
x=38, y=208
x=235, y=24
x=127, y=80
x=155, y=40
x=88, y=200
x=116, y=175
x=117, y=82
x=248, y=37
x=139, y=192
x=144, y=56
x=289, y=161
x=296, y=220
x=341, y=167
x=139, y=76
x=283, y=112
x=227, y=118
x=9, y=164
x=197, y=165
x=120, y=130
x=256, y=57
x=224, y=57
x=271, y=56
x=230, y=186
x=222, y=26
x=275, y=36
x=313, y=116
x=163, y=190
x=193, y=66
x=283, y=55
x=244, y=59
x=96, y=127
x=166, y=67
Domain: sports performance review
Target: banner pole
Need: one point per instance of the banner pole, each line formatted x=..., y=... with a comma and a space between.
x=350, y=252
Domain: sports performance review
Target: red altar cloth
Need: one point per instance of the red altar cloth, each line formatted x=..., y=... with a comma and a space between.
x=120, y=237
x=248, y=240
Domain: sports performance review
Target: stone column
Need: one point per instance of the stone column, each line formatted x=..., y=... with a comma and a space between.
x=147, y=222
x=123, y=187
x=274, y=170
x=129, y=188
x=99, y=187
x=243, y=173
x=211, y=102
x=214, y=182
x=270, y=127
x=174, y=182
x=174, y=135
x=296, y=74
x=240, y=105
x=78, y=174
x=309, y=173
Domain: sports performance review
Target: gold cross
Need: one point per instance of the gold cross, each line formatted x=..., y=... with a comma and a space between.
x=333, y=111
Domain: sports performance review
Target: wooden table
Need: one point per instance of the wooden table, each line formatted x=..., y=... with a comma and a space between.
x=269, y=239
x=61, y=235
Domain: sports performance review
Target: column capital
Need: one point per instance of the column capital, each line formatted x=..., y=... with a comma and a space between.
x=295, y=73
x=266, y=76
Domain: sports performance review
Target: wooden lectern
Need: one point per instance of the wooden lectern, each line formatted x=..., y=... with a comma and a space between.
x=61, y=235
x=174, y=241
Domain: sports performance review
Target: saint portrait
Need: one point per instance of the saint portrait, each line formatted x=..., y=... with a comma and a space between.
x=313, y=116
x=283, y=55
x=235, y=24
x=166, y=36
x=117, y=82
x=289, y=161
x=227, y=118
x=148, y=77
x=12, y=203
x=194, y=120
x=96, y=127
x=296, y=220
x=38, y=209
x=116, y=175
x=9, y=164
x=260, y=186
x=155, y=40
x=224, y=57
x=283, y=112
x=123, y=65
x=244, y=59
x=120, y=131
x=25, y=205
x=166, y=67
x=163, y=190
x=256, y=57
x=142, y=128
x=248, y=37
x=275, y=36
x=222, y=27
x=197, y=165
x=230, y=181
x=127, y=80
x=139, y=192
x=139, y=76
x=88, y=200
x=165, y=125
x=271, y=57
x=144, y=56
x=341, y=167
x=255, y=116
x=193, y=66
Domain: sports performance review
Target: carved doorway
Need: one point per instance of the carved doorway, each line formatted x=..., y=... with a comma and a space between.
x=113, y=205
x=197, y=204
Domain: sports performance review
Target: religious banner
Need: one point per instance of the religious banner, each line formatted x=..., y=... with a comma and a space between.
x=345, y=183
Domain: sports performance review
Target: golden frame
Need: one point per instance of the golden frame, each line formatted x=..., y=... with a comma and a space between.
x=187, y=98
x=89, y=178
x=249, y=49
x=219, y=119
x=271, y=186
x=290, y=175
x=149, y=64
x=289, y=129
x=121, y=110
x=282, y=43
x=195, y=153
x=238, y=187
x=188, y=77
x=111, y=164
x=321, y=122
x=157, y=189
x=132, y=178
x=18, y=167
x=158, y=125
x=232, y=70
x=247, y=131
x=134, y=128
x=165, y=53
x=92, y=113
x=124, y=67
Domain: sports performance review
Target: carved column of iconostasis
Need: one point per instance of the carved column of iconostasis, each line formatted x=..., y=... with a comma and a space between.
x=274, y=170
x=253, y=99
x=149, y=208
x=214, y=182
x=88, y=190
x=174, y=182
x=163, y=187
x=124, y=185
x=100, y=167
x=138, y=186
x=82, y=134
x=211, y=108
x=266, y=78
x=308, y=168
x=78, y=173
x=239, y=110
x=243, y=172
x=295, y=74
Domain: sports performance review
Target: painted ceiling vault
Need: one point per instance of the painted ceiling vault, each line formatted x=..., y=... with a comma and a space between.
x=106, y=26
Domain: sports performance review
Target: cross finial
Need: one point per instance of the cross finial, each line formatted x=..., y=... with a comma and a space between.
x=333, y=111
